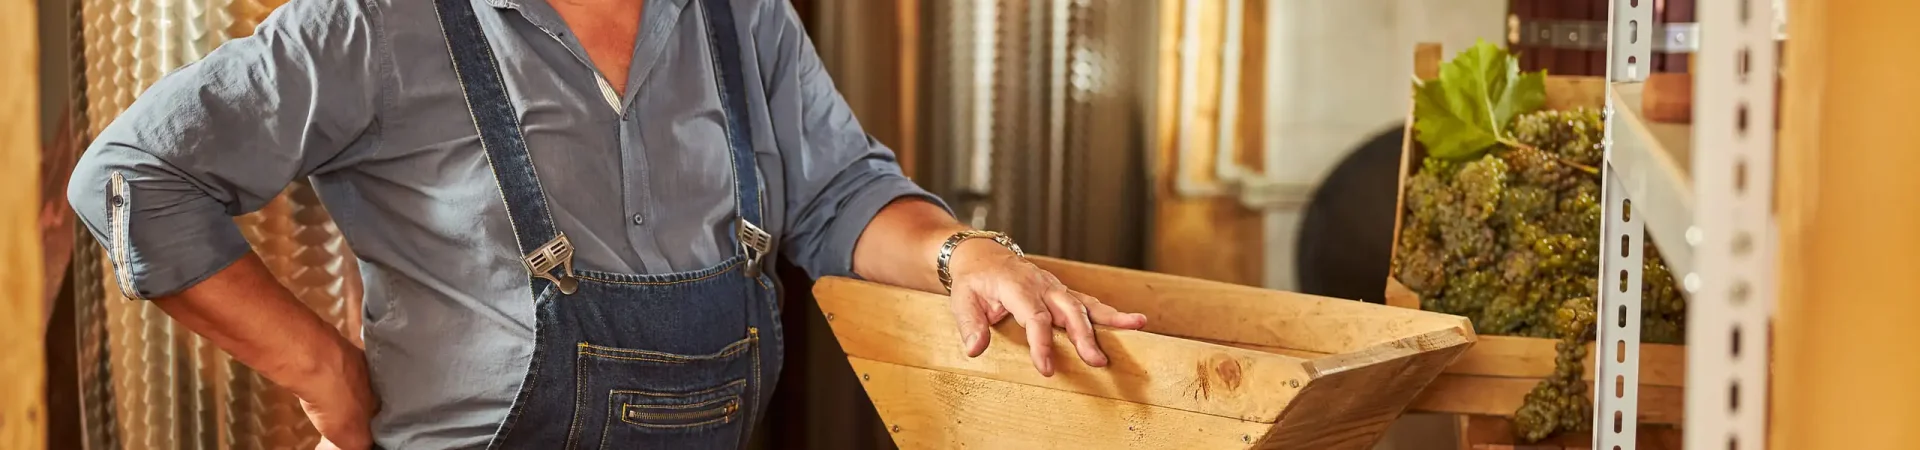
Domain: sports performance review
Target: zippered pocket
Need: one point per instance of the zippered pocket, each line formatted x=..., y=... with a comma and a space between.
x=719, y=410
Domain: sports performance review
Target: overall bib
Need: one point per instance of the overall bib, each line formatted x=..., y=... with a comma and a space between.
x=682, y=361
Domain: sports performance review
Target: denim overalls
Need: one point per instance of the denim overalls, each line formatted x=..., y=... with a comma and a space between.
x=683, y=360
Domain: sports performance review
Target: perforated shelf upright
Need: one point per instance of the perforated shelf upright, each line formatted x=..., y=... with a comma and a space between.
x=1703, y=194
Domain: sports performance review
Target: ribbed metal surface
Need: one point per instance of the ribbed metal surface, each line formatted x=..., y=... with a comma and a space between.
x=163, y=394
x=171, y=389
x=97, y=421
x=1038, y=117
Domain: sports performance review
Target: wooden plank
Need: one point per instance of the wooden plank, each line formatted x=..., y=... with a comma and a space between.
x=1848, y=207
x=1523, y=357
x=1217, y=311
x=1496, y=396
x=913, y=328
x=1356, y=396
x=23, y=421
x=1575, y=92
x=926, y=409
x=1497, y=433
x=1668, y=98
x=1303, y=354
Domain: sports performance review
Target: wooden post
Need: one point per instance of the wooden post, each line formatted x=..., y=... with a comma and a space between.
x=1206, y=237
x=1849, y=205
x=23, y=417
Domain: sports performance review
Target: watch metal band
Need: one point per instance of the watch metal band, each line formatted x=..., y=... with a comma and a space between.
x=946, y=251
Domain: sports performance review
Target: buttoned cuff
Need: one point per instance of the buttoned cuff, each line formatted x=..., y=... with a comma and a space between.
x=858, y=212
x=159, y=242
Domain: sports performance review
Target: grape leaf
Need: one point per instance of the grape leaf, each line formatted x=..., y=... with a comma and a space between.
x=1466, y=111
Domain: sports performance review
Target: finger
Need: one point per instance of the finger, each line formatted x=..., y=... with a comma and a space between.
x=995, y=312
x=1105, y=315
x=1027, y=310
x=972, y=323
x=326, y=445
x=1068, y=313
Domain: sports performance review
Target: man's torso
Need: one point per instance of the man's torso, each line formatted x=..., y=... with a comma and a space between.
x=644, y=188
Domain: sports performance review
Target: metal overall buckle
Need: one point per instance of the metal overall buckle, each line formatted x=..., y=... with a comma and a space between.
x=555, y=253
x=754, y=243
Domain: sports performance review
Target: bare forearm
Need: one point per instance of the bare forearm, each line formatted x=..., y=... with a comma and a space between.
x=243, y=310
x=899, y=247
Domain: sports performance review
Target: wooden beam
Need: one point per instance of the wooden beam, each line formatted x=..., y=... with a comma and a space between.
x=1495, y=396
x=1497, y=433
x=1520, y=357
x=927, y=409
x=23, y=417
x=916, y=329
x=1356, y=396
x=1849, y=205
x=1201, y=309
x=1204, y=237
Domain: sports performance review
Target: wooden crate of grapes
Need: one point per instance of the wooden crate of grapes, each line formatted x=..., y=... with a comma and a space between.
x=1499, y=209
x=1218, y=366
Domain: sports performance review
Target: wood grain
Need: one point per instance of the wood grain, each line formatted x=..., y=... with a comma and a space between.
x=927, y=409
x=1194, y=308
x=1355, y=396
x=912, y=328
x=1521, y=357
x=23, y=421
x=1848, y=207
x=1498, y=396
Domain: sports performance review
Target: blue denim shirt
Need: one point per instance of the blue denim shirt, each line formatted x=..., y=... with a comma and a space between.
x=360, y=95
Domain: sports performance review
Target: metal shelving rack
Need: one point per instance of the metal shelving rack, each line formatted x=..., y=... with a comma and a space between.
x=1703, y=194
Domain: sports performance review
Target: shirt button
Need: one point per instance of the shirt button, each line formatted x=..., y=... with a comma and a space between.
x=637, y=220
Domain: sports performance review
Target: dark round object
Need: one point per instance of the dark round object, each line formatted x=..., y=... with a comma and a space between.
x=1346, y=238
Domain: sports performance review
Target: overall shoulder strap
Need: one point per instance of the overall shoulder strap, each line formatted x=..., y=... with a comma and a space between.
x=724, y=42
x=542, y=246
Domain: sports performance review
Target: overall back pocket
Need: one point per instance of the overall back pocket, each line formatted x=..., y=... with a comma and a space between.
x=631, y=398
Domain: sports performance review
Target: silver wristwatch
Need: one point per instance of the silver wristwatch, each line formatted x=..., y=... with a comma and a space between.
x=946, y=250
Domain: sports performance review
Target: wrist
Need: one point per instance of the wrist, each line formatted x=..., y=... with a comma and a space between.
x=965, y=251
x=335, y=370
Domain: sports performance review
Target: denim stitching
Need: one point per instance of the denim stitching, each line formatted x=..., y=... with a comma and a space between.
x=730, y=398
x=648, y=355
x=606, y=278
x=759, y=379
x=579, y=390
x=729, y=385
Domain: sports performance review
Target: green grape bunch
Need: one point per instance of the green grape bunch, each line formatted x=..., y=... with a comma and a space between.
x=1510, y=239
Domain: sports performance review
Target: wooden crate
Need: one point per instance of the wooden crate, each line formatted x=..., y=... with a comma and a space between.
x=1219, y=366
x=1495, y=375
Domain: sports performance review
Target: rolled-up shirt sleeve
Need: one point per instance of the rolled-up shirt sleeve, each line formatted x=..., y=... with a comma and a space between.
x=840, y=177
x=222, y=136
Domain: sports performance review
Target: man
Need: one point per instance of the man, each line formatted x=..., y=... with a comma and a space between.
x=563, y=208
